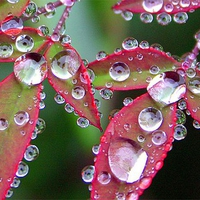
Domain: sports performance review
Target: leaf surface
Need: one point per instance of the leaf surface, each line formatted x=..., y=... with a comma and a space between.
x=121, y=141
x=138, y=6
x=139, y=62
x=85, y=107
x=13, y=141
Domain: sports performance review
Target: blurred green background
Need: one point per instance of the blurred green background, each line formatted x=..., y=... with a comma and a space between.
x=65, y=148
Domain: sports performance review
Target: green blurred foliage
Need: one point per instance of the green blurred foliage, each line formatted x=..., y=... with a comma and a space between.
x=65, y=148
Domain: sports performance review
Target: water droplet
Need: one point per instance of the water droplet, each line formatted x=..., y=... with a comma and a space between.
x=3, y=124
x=101, y=55
x=127, y=160
x=83, y=122
x=164, y=19
x=6, y=50
x=169, y=7
x=194, y=85
x=145, y=182
x=127, y=15
x=9, y=193
x=65, y=64
x=104, y=178
x=65, y=39
x=106, y=93
x=21, y=118
x=159, y=137
x=88, y=173
x=97, y=103
x=78, y=92
x=191, y=73
x=30, y=68
x=150, y=119
x=120, y=196
x=59, y=99
x=154, y=69
x=152, y=6
x=31, y=153
x=15, y=183
x=43, y=31
x=141, y=138
x=157, y=47
x=180, y=132
x=127, y=101
x=180, y=115
x=144, y=45
x=35, y=19
x=24, y=43
x=196, y=124
x=180, y=17
x=182, y=105
x=51, y=10
x=113, y=113
x=13, y=1
x=130, y=43
x=118, y=51
x=30, y=10
x=146, y=18
x=197, y=37
x=12, y=25
x=119, y=71
x=42, y=95
x=22, y=169
x=184, y=3
x=167, y=88
x=84, y=76
x=132, y=196
x=67, y=2
x=95, y=149
x=69, y=108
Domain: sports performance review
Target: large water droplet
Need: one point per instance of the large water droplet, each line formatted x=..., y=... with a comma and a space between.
x=150, y=119
x=31, y=153
x=104, y=178
x=22, y=169
x=24, y=43
x=119, y=71
x=6, y=50
x=78, y=92
x=159, y=137
x=21, y=118
x=167, y=88
x=30, y=68
x=127, y=160
x=65, y=64
x=194, y=85
x=3, y=124
x=180, y=132
x=152, y=6
x=88, y=173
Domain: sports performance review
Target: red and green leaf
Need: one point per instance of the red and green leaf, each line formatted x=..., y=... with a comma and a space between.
x=15, y=97
x=85, y=106
x=139, y=62
x=136, y=6
x=123, y=131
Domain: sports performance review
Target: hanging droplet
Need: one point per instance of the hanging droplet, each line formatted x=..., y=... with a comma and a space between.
x=150, y=119
x=83, y=122
x=180, y=132
x=43, y=31
x=12, y=25
x=30, y=10
x=127, y=15
x=132, y=196
x=157, y=47
x=13, y=1
x=146, y=18
x=167, y=88
x=95, y=149
x=144, y=44
x=15, y=183
x=69, y=108
x=127, y=160
x=101, y=55
x=65, y=64
x=106, y=93
x=3, y=124
x=194, y=85
x=113, y=113
x=130, y=43
x=24, y=43
x=164, y=19
x=196, y=124
x=180, y=17
x=78, y=92
x=9, y=193
x=42, y=95
x=184, y=3
x=180, y=117
x=182, y=105
x=127, y=101
x=59, y=99
x=21, y=118
x=154, y=69
x=31, y=153
x=191, y=73
x=6, y=50
x=159, y=137
x=169, y=7
x=65, y=39
x=152, y=6
x=97, y=103
x=40, y=126
x=104, y=178
x=67, y=2
x=30, y=68
x=88, y=173
x=22, y=169
x=119, y=71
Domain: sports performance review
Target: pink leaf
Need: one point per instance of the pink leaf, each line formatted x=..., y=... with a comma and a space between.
x=19, y=108
x=130, y=69
x=130, y=156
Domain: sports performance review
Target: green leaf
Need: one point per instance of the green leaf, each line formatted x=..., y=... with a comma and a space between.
x=14, y=97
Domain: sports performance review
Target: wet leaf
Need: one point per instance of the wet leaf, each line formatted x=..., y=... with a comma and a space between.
x=158, y=6
x=73, y=84
x=16, y=9
x=131, y=68
x=131, y=155
x=16, y=134
x=5, y=40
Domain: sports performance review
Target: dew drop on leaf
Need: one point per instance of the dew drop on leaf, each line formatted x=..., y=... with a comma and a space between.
x=88, y=173
x=146, y=18
x=159, y=137
x=83, y=76
x=31, y=153
x=22, y=169
x=35, y=19
x=182, y=105
x=119, y=71
x=184, y=3
x=144, y=44
x=83, y=122
x=190, y=72
x=196, y=124
x=65, y=39
x=67, y=2
x=127, y=101
x=164, y=19
x=154, y=69
x=180, y=132
x=152, y=6
x=65, y=64
x=30, y=68
x=6, y=50
x=145, y=182
x=127, y=15
x=141, y=138
x=21, y=118
x=3, y=124
x=168, y=7
x=150, y=119
x=78, y=92
x=30, y=10
x=13, y=1
x=40, y=126
x=181, y=117
x=15, y=183
x=9, y=193
x=180, y=17
x=194, y=85
x=130, y=43
x=127, y=160
x=43, y=30
x=106, y=93
x=69, y=108
x=95, y=149
x=104, y=178
x=24, y=43
x=59, y=99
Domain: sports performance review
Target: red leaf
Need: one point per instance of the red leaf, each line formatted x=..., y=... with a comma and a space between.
x=138, y=61
x=15, y=97
x=158, y=6
x=124, y=148
x=83, y=100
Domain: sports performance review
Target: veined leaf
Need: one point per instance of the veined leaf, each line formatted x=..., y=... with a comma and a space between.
x=19, y=109
x=130, y=156
x=131, y=68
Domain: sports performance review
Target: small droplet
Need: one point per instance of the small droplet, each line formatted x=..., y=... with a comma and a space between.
x=69, y=108
x=13, y=1
x=159, y=137
x=97, y=103
x=24, y=43
x=132, y=196
x=144, y=45
x=154, y=69
x=127, y=101
x=21, y=118
x=65, y=64
x=59, y=99
x=106, y=93
x=145, y=183
x=146, y=18
x=127, y=15
x=35, y=19
x=150, y=119
x=180, y=17
x=31, y=153
x=95, y=149
x=78, y=92
x=141, y=138
x=157, y=47
x=22, y=169
x=104, y=178
x=83, y=122
x=65, y=39
x=130, y=43
x=113, y=113
x=15, y=183
x=40, y=126
x=191, y=73
x=194, y=85
x=196, y=124
x=180, y=132
x=43, y=30
x=3, y=124
x=152, y=6
x=164, y=19
x=182, y=105
x=169, y=7
x=30, y=10
x=42, y=95
x=101, y=55
x=119, y=71
x=120, y=196
x=88, y=173
x=184, y=3
x=127, y=126
x=6, y=50
x=67, y=2
x=9, y=193
x=84, y=76
x=180, y=115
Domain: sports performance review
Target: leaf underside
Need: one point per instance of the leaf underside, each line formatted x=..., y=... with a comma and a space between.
x=117, y=131
x=13, y=141
x=139, y=62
